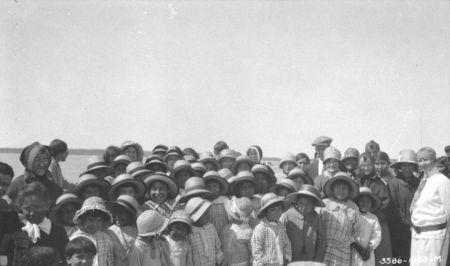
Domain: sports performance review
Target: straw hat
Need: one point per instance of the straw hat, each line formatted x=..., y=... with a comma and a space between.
x=341, y=176
x=213, y=175
x=365, y=191
x=126, y=201
x=331, y=153
x=242, y=176
x=286, y=183
x=196, y=207
x=227, y=153
x=261, y=168
x=122, y=159
x=67, y=198
x=94, y=163
x=153, y=160
x=287, y=157
x=126, y=179
x=151, y=223
x=226, y=173
x=92, y=204
x=195, y=187
x=239, y=209
x=322, y=141
x=239, y=160
x=172, y=153
x=268, y=200
x=198, y=166
x=181, y=216
x=190, y=158
x=137, y=170
x=297, y=172
x=88, y=179
x=309, y=191
x=182, y=165
x=162, y=177
x=207, y=157
x=406, y=156
x=160, y=148
x=350, y=153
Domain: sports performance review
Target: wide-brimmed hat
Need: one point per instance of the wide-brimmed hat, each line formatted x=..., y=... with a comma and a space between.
x=268, y=200
x=137, y=170
x=126, y=179
x=190, y=158
x=181, y=216
x=162, y=177
x=124, y=159
x=95, y=162
x=331, y=153
x=155, y=161
x=299, y=173
x=198, y=166
x=226, y=173
x=92, y=204
x=182, y=165
x=406, y=156
x=350, y=153
x=239, y=209
x=243, y=176
x=344, y=177
x=287, y=157
x=66, y=198
x=227, y=153
x=366, y=191
x=286, y=183
x=213, y=175
x=196, y=207
x=195, y=187
x=126, y=201
x=173, y=153
x=322, y=141
x=261, y=168
x=207, y=157
x=241, y=159
x=89, y=179
x=308, y=191
x=160, y=148
x=151, y=223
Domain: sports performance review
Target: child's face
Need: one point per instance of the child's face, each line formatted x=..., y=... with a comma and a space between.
x=261, y=182
x=81, y=259
x=282, y=192
x=205, y=218
x=351, y=164
x=122, y=216
x=407, y=169
x=210, y=166
x=127, y=190
x=181, y=177
x=301, y=163
x=119, y=169
x=366, y=167
x=288, y=166
x=226, y=162
x=214, y=187
x=90, y=191
x=341, y=191
x=132, y=153
x=178, y=231
x=332, y=165
x=35, y=209
x=304, y=205
x=41, y=163
x=365, y=204
x=273, y=213
x=243, y=167
x=92, y=224
x=158, y=192
x=381, y=167
x=246, y=189
x=67, y=212
x=5, y=182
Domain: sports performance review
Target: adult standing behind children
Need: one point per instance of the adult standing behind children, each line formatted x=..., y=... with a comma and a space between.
x=59, y=153
x=315, y=168
x=430, y=213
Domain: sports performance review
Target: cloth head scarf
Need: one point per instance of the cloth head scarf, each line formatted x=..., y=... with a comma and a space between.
x=29, y=154
x=257, y=149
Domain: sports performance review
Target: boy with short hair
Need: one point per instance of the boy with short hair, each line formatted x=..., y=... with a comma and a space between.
x=80, y=251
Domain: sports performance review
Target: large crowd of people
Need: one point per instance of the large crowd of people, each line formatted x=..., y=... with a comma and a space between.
x=183, y=208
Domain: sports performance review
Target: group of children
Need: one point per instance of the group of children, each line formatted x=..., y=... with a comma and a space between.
x=180, y=208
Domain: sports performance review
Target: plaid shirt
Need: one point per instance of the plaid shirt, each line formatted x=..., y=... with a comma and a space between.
x=166, y=208
x=219, y=216
x=103, y=244
x=205, y=245
x=342, y=224
x=270, y=244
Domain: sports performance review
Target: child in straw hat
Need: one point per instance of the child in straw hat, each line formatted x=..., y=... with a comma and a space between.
x=162, y=190
x=341, y=218
x=92, y=220
x=270, y=243
x=370, y=235
x=304, y=225
x=238, y=234
x=204, y=241
x=150, y=248
x=64, y=210
x=180, y=226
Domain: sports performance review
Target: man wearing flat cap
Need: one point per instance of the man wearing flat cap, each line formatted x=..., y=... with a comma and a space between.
x=315, y=168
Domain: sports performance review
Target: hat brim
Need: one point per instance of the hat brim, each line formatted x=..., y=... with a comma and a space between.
x=80, y=212
x=159, y=231
x=329, y=184
x=196, y=193
x=235, y=164
x=239, y=180
x=199, y=213
x=181, y=220
x=139, y=174
x=284, y=161
x=270, y=203
x=140, y=186
x=164, y=167
x=223, y=183
x=103, y=184
x=397, y=164
x=110, y=204
x=375, y=200
x=92, y=170
x=173, y=189
x=317, y=201
x=210, y=160
x=65, y=201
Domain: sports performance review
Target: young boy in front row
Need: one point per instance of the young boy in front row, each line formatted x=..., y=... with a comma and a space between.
x=270, y=243
x=80, y=251
x=180, y=226
x=304, y=226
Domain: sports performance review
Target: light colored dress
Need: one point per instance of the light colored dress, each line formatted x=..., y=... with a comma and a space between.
x=123, y=240
x=155, y=253
x=180, y=252
x=236, y=245
x=370, y=234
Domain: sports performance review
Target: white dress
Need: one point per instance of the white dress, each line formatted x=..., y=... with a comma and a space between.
x=370, y=234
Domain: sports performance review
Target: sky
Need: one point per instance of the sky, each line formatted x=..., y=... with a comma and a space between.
x=191, y=73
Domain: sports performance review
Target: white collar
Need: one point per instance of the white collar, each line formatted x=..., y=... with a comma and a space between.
x=34, y=230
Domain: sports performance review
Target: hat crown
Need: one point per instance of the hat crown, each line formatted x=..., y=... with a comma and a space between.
x=243, y=158
x=135, y=166
x=288, y=156
x=94, y=202
x=408, y=156
x=260, y=168
x=227, y=153
x=198, y=166
x=289, y=182
x=150, y=221
x=181, y=164
x=130, y=200
x=122, y=177
x=122, y=157
x=243, y=174
x=211, y=173
x=322, y=141
x=296, y=172
x=309, y=188
x=95, y=159
x=331, y=153
x=181, y=216
x=206, y=155
x=194, y=182
x=86, y=177
x=351, y=153
x=225, y=173
x=266, y=198
x=194, y=205
x=66, y=196
x=365, y=189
